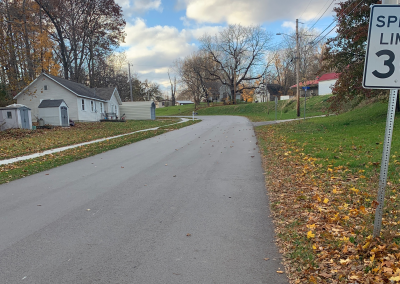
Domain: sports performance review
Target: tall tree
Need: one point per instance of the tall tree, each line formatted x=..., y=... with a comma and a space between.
x=345, y=53
x=238, y=53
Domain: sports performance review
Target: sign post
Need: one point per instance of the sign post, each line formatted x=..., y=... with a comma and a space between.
x=305, y=99
x=382, y=71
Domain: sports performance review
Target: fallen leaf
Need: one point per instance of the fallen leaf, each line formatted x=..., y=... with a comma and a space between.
x=188, y=235
x=266, y=258
x=279, y=271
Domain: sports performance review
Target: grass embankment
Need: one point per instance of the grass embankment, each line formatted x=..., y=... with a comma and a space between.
x=322, y=178
x=255, y=111
x=28, y=167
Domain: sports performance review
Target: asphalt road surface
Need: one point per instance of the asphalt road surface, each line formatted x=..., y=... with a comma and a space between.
x=188, y=206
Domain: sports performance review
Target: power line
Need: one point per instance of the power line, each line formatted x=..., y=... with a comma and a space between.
x=315, y=42
x=309, y=2
x=319, y=11
x=322, y=14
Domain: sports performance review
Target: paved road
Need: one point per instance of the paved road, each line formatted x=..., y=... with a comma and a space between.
x=188, y=206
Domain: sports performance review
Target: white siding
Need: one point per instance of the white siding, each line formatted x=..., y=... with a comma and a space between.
x=32, y=96
x=136, y=110
x=13, y=122
x=88, y=114
x=325, y=87
x=52, y=115
x=111, y=104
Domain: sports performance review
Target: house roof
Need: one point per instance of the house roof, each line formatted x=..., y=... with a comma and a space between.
x=50, y=103
x=325, y=77
x=106, y=93
x=14, y=106
x=77, y=88
x=328, y=76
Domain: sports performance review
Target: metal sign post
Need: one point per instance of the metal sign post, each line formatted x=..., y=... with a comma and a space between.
x=305, y=99
x=276, y=107
x=381, y=71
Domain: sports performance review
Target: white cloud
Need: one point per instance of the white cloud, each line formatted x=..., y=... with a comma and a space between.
x=290, y=25
x=249, y=11
x=152, y=50
x=134, y=7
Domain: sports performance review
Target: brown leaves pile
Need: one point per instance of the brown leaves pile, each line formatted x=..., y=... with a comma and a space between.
x=324, y=218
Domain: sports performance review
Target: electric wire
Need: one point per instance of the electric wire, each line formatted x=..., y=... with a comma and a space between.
x=313, y=19
x=322, y=14
x=315, y=42
x=309, y=2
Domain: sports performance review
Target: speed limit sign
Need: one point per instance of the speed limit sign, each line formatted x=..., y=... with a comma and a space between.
x=382, y=60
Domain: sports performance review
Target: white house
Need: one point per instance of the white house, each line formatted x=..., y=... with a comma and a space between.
x=84, y=103
x=326, y=83
x=15, y=116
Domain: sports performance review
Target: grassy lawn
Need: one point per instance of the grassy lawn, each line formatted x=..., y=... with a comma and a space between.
x=28, y=167
x=326, y=170
x=255, y=111
x=20, y=142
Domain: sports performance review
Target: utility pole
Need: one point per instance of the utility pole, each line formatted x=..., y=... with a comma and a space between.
x=297, y=68
x=130, y=80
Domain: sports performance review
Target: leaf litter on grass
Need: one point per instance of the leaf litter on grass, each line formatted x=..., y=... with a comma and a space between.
x=325, y=237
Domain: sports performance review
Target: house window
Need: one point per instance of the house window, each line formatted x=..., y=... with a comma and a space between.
x=115, y=110
x=45, y=87
x=92, y=105
x=9, y=114
x=101, y=107
x=83, y=104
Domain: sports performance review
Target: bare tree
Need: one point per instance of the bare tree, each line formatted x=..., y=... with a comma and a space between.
x=173, y=89
x=238, y=54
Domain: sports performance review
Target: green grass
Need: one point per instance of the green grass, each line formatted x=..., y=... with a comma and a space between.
x=19, y=142
x=353, y=139
x=255, y=111
x=28, y=167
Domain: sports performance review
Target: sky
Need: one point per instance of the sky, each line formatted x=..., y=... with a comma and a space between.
x=158, y=32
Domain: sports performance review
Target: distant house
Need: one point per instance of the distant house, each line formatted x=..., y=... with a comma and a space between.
x=15, y=116
x=84, y=103
x=318, y=87
x=326, y=83
x=181, y=103
x=273, y=90
x=312, y=88
x=163, y=103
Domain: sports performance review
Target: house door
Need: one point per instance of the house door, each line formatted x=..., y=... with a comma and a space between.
x=24, y=118
x=64, y=116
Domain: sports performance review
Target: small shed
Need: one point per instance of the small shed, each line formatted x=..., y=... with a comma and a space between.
x=54, y=112
x=15, y=116
x=181, y=103
x=138, y=110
